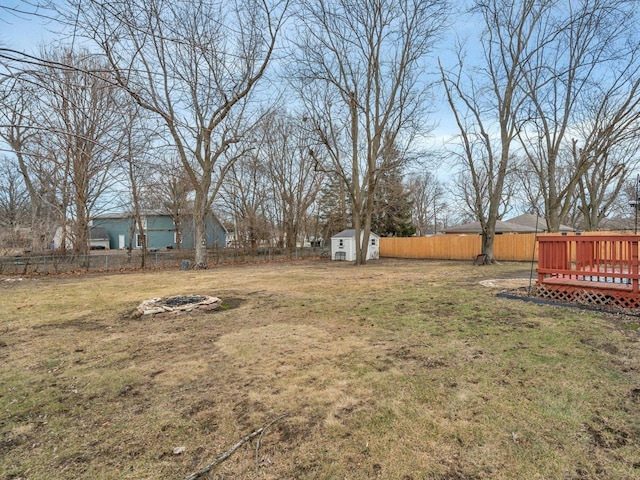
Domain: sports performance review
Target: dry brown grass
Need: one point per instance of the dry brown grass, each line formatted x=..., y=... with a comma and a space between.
x=397, y=370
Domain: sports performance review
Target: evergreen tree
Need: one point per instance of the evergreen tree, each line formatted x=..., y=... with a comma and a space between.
x=335, y=208
x=392, y=207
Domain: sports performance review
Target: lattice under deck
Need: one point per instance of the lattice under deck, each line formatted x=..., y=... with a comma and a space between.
x=586, y=296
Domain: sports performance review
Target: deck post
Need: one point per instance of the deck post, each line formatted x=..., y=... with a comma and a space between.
x=634, y=265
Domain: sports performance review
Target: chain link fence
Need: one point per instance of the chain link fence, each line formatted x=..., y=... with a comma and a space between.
x=105, y=261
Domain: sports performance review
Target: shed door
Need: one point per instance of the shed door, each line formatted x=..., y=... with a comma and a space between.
x=121, y=242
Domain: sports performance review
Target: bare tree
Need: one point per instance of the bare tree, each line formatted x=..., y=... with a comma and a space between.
x=247, y=198
x=22, y=129
x=528, y=193
x=168, y=190
x=361, y=66
x=624, y=210
x=486, y=101
x=427, y=201
x=137, y=164
x=59, y=121
x=290, y=169
x=85, y=135
x=14, y=203
x=193, y=65
x=609, y=139
x=600, y=186
x=587, y=57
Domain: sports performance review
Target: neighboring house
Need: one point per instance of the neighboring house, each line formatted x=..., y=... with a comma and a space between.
x=617, y=224
x=526, y=223
x=474, y=228
x=534, y=221
x=159, y=229
x=343, y=246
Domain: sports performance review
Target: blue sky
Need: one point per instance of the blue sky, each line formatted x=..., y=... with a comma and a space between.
x=21, y=31
x=27, y=32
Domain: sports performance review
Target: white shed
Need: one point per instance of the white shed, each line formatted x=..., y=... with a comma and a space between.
x=343, y=246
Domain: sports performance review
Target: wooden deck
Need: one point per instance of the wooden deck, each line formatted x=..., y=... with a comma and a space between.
x=600, y=269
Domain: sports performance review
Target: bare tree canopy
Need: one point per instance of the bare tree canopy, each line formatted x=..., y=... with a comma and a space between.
x=85, y=134
x=486, y=100
x=194, y=65
x=581, y=88
x=360, y=69
x=608, y=138
x=14, y=204
x=544, y=100
x=427, y=201
x=65, y=130
x=555, y=88
x=247, y=199
x=291, y=173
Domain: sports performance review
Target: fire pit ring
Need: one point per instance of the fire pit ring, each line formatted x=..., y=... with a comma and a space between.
x=178, y=304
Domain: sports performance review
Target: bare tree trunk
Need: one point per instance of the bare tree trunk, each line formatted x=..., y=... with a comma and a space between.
x=137, y=212
x=177, y=222
x=488, y=236
x=81, y=230
x=200, y=232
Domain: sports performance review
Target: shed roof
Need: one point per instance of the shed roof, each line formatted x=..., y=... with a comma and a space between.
x=349, y=233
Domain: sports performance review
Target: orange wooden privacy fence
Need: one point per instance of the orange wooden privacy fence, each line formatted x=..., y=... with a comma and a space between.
x=507, y=247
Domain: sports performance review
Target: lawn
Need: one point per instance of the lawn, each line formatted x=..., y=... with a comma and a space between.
x=396, y=370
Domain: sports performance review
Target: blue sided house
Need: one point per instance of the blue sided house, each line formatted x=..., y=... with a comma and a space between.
x=159, y=229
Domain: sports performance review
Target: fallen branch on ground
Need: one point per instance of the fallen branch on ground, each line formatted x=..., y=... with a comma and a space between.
x=264, y=429
x=222, y=457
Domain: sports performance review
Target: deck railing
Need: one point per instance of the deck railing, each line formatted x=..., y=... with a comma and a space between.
x=598, y=262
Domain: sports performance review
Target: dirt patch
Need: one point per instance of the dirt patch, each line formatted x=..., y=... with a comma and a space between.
x=85, y=323
x=423, y=360
x=506, y=283
x=606, y=436
x=229, y=303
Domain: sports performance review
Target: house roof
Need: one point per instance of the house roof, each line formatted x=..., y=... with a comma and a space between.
x=349, y=233
x=617, y=223
x=98, y=233
x=533, y=221
x=151, y=213
x=501, y=227
x=129, y=215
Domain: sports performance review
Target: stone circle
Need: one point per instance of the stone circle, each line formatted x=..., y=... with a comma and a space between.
x=178, y=304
